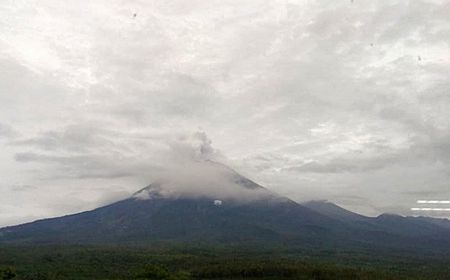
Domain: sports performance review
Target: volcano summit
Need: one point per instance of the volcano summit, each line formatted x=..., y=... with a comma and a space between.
x=234, y=210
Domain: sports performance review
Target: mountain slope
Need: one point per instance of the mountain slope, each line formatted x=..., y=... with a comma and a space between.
x=249, y=213
x=160, y=219
x=235, y=211
x=332, y=210
x=424, y=229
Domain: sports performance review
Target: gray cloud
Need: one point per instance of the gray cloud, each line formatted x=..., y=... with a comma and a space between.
x=20, y=188
x=71, y=138
x=6, y=131
x=337, y=166
x=312, y=99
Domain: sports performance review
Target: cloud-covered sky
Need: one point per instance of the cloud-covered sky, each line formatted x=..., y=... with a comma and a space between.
x=341, y=100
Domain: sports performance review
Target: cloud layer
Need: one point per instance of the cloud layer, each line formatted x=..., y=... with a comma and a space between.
x=341, y=100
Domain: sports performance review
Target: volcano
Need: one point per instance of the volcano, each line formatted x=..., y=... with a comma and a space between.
x=232, y=210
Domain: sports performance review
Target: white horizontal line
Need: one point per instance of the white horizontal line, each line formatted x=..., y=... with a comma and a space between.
x=430, y=209
x=433, y=201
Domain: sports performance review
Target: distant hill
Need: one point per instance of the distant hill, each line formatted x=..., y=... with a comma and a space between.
x=425, y=229
x=251, y=216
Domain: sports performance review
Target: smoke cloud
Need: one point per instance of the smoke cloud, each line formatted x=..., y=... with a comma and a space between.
x=191, y=169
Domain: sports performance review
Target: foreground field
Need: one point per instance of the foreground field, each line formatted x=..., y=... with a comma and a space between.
x=45, y=262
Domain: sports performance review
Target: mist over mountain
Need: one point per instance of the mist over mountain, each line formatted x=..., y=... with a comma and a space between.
x=212, y=139
x=224, y=207
x=204, y=179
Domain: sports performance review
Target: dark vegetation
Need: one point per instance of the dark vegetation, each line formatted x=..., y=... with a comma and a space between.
x=87, y=262
x=269, y=238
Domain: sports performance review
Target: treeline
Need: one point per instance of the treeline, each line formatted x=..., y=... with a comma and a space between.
x=245, y=270
x=285, y=271
x=83, y=263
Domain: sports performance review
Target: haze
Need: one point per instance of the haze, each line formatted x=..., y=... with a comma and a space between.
x=340, y=100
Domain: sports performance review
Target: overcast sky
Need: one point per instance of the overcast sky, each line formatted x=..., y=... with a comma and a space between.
x=341, y=100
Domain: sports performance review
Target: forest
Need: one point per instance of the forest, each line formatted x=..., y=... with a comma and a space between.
x=180, y=263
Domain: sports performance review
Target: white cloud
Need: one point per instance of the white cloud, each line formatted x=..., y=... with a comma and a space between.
x=287, y=91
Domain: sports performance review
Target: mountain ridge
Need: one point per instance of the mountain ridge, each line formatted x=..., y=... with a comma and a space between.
x=248, y=214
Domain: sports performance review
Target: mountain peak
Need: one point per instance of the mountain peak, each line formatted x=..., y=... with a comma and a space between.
x=212, y=203
x=153, y=190
x=205, y=179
